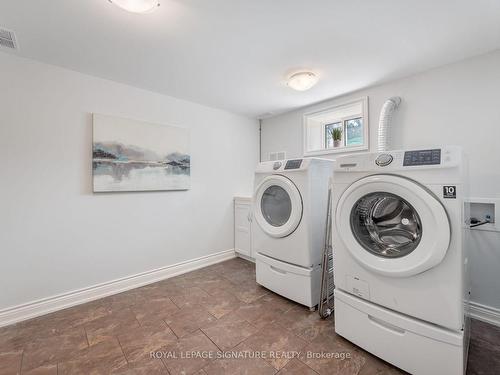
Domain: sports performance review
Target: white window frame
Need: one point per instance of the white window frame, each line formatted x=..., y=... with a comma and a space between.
x=326, y=151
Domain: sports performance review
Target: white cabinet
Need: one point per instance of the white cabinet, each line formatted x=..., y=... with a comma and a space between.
x=243, y=226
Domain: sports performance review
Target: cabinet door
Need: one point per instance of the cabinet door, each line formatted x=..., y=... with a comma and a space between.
x=242, y=229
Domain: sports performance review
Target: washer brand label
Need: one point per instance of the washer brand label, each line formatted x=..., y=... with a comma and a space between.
x=450, y=192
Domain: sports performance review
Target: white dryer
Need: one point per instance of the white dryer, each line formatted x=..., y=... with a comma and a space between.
x=290, y=199
x=400, y=264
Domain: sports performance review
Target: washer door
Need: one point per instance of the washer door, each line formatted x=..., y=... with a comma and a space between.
x=392, y=225
x=278, y=206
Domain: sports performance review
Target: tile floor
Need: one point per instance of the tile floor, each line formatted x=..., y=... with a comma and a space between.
x=215, y=310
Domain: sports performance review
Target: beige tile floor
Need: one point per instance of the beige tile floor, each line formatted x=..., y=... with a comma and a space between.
x=190, y=321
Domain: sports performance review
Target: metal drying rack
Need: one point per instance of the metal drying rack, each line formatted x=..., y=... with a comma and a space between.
x=325, y=308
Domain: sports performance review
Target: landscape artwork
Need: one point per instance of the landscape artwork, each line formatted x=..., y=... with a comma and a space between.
x=130, y=155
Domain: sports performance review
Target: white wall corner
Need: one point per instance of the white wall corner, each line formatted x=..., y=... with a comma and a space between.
x=44, y=306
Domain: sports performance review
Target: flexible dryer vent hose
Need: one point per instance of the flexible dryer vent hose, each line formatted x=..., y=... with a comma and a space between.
x=384, y=126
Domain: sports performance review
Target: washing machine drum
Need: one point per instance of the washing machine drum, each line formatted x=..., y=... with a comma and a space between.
x=278, y=206
x=393, y=226
x=386, y=225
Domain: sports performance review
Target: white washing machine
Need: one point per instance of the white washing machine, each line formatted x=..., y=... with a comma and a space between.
x=400, y=265
x=290, y=199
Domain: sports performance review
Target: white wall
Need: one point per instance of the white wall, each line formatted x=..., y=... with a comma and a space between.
x=456, y=104
x=55, y=234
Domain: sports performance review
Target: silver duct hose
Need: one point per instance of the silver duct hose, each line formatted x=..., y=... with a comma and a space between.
x=384, y=126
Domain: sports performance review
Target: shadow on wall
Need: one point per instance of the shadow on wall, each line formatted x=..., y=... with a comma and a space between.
x=87, y=188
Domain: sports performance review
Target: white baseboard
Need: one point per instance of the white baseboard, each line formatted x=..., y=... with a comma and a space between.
x=484, y=313
x=44, y=306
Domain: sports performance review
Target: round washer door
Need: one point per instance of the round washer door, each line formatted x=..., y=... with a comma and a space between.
x=393, y=226
x=278, y=206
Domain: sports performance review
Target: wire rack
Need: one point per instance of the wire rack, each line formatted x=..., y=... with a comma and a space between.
x=327, y=282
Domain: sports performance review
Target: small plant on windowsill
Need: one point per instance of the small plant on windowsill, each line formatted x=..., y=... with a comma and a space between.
x=337, y=137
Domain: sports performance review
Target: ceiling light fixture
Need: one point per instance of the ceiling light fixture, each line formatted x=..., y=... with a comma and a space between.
x=137, y=6
x=302, y=81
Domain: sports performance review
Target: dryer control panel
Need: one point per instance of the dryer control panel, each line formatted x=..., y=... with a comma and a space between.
x=293, y=164
x=438, y=158
x=422, y=157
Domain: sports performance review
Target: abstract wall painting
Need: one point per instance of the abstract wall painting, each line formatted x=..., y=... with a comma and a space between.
x=130, y=155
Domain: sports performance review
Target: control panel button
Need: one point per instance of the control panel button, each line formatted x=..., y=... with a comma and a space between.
x=277, y=165
x=384, y=160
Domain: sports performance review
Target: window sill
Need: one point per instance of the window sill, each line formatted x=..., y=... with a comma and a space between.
x=340, y=150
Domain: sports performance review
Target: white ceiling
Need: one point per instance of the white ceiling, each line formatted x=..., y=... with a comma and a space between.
x=236, y=54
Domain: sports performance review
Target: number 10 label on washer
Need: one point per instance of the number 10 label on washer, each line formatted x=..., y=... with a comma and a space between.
x=450, y=192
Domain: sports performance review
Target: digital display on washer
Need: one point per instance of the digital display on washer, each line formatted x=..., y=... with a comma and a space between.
x=293, y=164
x=422, y=157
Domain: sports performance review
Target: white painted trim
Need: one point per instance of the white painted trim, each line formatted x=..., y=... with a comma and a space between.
x=484, y=313
x=44, y=306
x=243, y=200
x=328, y=151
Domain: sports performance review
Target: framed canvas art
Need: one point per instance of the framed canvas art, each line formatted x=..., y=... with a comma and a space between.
x=130, y=155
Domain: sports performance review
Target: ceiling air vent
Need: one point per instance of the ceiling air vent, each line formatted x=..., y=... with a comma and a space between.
x=7, y=39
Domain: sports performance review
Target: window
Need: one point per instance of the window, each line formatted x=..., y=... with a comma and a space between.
x=353, y=130
x=342, y=128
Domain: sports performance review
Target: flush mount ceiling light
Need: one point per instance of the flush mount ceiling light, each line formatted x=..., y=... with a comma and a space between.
x=302, y=81
x=137, y=6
